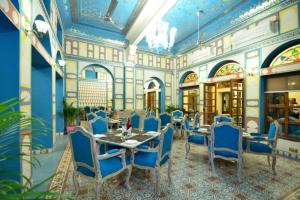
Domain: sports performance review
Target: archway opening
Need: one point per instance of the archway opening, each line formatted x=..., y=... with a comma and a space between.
x=282, y=90
x=96, y=87
x=45, y=39
x=224, y=92
x=10, y=88
x=189, y=93
x=154, y=95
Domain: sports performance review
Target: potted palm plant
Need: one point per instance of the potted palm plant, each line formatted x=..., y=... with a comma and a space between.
x=71, y=115
x=12, y=122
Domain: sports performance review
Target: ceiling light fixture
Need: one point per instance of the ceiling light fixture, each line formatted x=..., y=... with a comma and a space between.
x=159, y=36
x=42, y=27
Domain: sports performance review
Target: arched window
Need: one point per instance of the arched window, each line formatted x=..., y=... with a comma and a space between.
x=191, y=78
x=151, y=85
x=289, y=56
x=229, y=69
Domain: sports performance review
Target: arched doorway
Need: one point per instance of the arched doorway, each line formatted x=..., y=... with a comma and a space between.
x=154, y=95
x=224, y=92
x=189, y=92
x=281, y=80
x=96, y=87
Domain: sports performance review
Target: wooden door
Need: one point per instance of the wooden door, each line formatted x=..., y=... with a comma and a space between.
x=237, y=102
x=190, y=100
x=209, y=109
x=151, y=101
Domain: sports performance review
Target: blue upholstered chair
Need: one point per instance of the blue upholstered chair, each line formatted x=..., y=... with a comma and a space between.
x=154, y=159
x=101, y=113
x=165, y=119
x=191, y=136
x=135, y=120
x=177, y=114
x=87, y=109
x=151, y=124
x=266, y=145
x=91, y=116
x=99, y=125
x=226, y=143
x=222, y=118
x=88, y=164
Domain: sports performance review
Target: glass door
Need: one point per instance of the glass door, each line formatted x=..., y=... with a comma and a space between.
x=209, y=109
x=190, y=100
x=237, y=102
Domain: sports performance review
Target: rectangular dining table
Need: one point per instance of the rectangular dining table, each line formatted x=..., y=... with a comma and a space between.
x=115, y=138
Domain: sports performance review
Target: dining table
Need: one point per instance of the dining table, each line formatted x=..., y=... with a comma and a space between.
x=130, y=142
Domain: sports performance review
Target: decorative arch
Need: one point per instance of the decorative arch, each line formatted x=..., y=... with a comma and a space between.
x=112, y=77
x=273, y=59
x=45, y=40
x=224, y=68
x=151, y=85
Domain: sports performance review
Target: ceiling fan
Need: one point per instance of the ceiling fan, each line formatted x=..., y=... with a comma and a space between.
x=108, y=16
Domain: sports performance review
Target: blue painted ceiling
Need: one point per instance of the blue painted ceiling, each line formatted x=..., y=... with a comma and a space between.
x=85, y=18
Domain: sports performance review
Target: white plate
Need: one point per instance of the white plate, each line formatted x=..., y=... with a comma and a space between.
x=99, y=135
x=131, y=141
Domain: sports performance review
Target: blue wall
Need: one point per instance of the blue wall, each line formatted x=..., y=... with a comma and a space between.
x=59, y=104
x=9, y=81
x=41, y=97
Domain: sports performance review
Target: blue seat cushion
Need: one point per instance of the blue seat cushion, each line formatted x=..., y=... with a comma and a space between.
x=260, y=147
x=196, y=139
x=147, y=159
x=110, y=165
x=226, y=154
x=164, y=160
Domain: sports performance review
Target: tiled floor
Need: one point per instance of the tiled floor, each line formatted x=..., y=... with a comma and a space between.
x=48, y=163
x=193, y=179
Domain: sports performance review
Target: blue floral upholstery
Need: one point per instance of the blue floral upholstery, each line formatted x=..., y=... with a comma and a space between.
x=196, y=139
x=87, y=163
x=260, y=147
x=154, y=158
x=147, y=159
x=110, y=165
x=165, y=118
x=192, y=136
x=151, y=124
x=99, y=126
x=90, y=116
x=226, y=143
x=101, y=113
x=177, y=114
x=135, y=120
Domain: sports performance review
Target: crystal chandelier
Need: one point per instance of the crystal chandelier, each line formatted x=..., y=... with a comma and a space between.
x=159, y=36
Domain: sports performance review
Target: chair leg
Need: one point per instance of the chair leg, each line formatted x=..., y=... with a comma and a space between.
x=212, y=165
x=187, y=149
x=169, y=171
x=128, y=174
x=157, y=181
x=274, y=164
x=98, y=189
x=76, y=184
x=269, y=163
